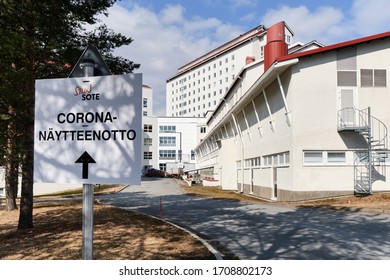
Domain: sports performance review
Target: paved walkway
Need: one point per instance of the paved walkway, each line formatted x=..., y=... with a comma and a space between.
x=263, y=231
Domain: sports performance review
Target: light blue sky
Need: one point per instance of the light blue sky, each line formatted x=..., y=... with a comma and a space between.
x=170, y=33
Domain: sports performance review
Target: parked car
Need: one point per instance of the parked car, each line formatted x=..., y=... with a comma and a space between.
x=152, y=172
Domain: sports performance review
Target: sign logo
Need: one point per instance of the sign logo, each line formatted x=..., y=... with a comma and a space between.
x=86, y=92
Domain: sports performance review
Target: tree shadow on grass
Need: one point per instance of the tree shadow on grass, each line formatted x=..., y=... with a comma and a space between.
x=118, y=234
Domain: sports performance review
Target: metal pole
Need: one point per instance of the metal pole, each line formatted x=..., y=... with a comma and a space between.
x=369, y=151
x=88, y=198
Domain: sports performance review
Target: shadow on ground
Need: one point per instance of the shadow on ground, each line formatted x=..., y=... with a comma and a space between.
x=268, y=231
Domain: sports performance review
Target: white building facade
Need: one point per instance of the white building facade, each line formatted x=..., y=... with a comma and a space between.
x=147, y=101
x=199, y=85
x=170, y=142
x=307, y=125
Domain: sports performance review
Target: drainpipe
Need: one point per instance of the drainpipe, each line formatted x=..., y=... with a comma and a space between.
x=370, y=162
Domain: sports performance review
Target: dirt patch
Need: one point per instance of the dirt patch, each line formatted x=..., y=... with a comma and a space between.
x=377, y=202
x=118, y=235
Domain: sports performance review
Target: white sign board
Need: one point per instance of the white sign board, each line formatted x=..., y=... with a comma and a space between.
x=88, y=130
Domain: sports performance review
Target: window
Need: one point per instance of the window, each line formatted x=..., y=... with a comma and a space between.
x=144, y=113
x=203, y=129
x=167, y=128
x=256, y=161
x=312, y=157
x=281, y=159
x=192, y=155
x=324, y=157
x=148, y=141
x=336, y=157
x=287, y=158
x=275, y=160
x=380, y=78
x=168, y=141
x=145, y=102
x=148, y=128
x=163, y=166
x=373, y=78
x=148, y=155
x=346, y=67
x=167, y=154
x=346, y=78
x=268, y=160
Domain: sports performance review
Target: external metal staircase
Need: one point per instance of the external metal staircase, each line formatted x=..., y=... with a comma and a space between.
x=369, y=163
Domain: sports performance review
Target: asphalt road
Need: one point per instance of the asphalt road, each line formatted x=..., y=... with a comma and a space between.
x=251, y=231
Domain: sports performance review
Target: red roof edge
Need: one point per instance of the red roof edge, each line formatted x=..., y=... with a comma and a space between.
x=146, y=86
x=335, y=46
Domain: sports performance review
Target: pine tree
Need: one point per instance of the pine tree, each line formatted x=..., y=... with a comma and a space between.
x=39, y=40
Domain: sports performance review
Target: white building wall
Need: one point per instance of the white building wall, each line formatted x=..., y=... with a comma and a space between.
x=307, y=122
x=315, y=126
x=186, y=134
x=147, y=101
x=150, y=142
x=200, y=88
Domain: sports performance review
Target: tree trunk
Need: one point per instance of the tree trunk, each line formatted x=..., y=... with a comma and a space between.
x=11, y=168
x=26, y=200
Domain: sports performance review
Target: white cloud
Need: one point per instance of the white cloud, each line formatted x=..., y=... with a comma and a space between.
x=322, y=24
x=172, y=14
x=241, y=3
x=249, y=17
x=370, y=16
x=328, y=24
x=164, y=41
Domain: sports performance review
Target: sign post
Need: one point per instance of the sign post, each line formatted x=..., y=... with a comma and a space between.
x=88, y=199
x=88, y=131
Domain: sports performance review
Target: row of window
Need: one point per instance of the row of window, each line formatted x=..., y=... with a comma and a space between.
x=167, y=129
x=194, y=108
x=168, y=141
x=323, y=157
x=188, y=100
x=163, y=141
x=279, y=159
x=283, y=159
x=209, y=68
x=368, y=78
x=167, y=154
x=209, y=85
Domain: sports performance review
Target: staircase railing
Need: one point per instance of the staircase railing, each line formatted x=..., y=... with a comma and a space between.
x=369, y=165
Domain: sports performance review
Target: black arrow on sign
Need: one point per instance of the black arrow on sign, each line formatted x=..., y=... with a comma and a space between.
x=85, y=159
